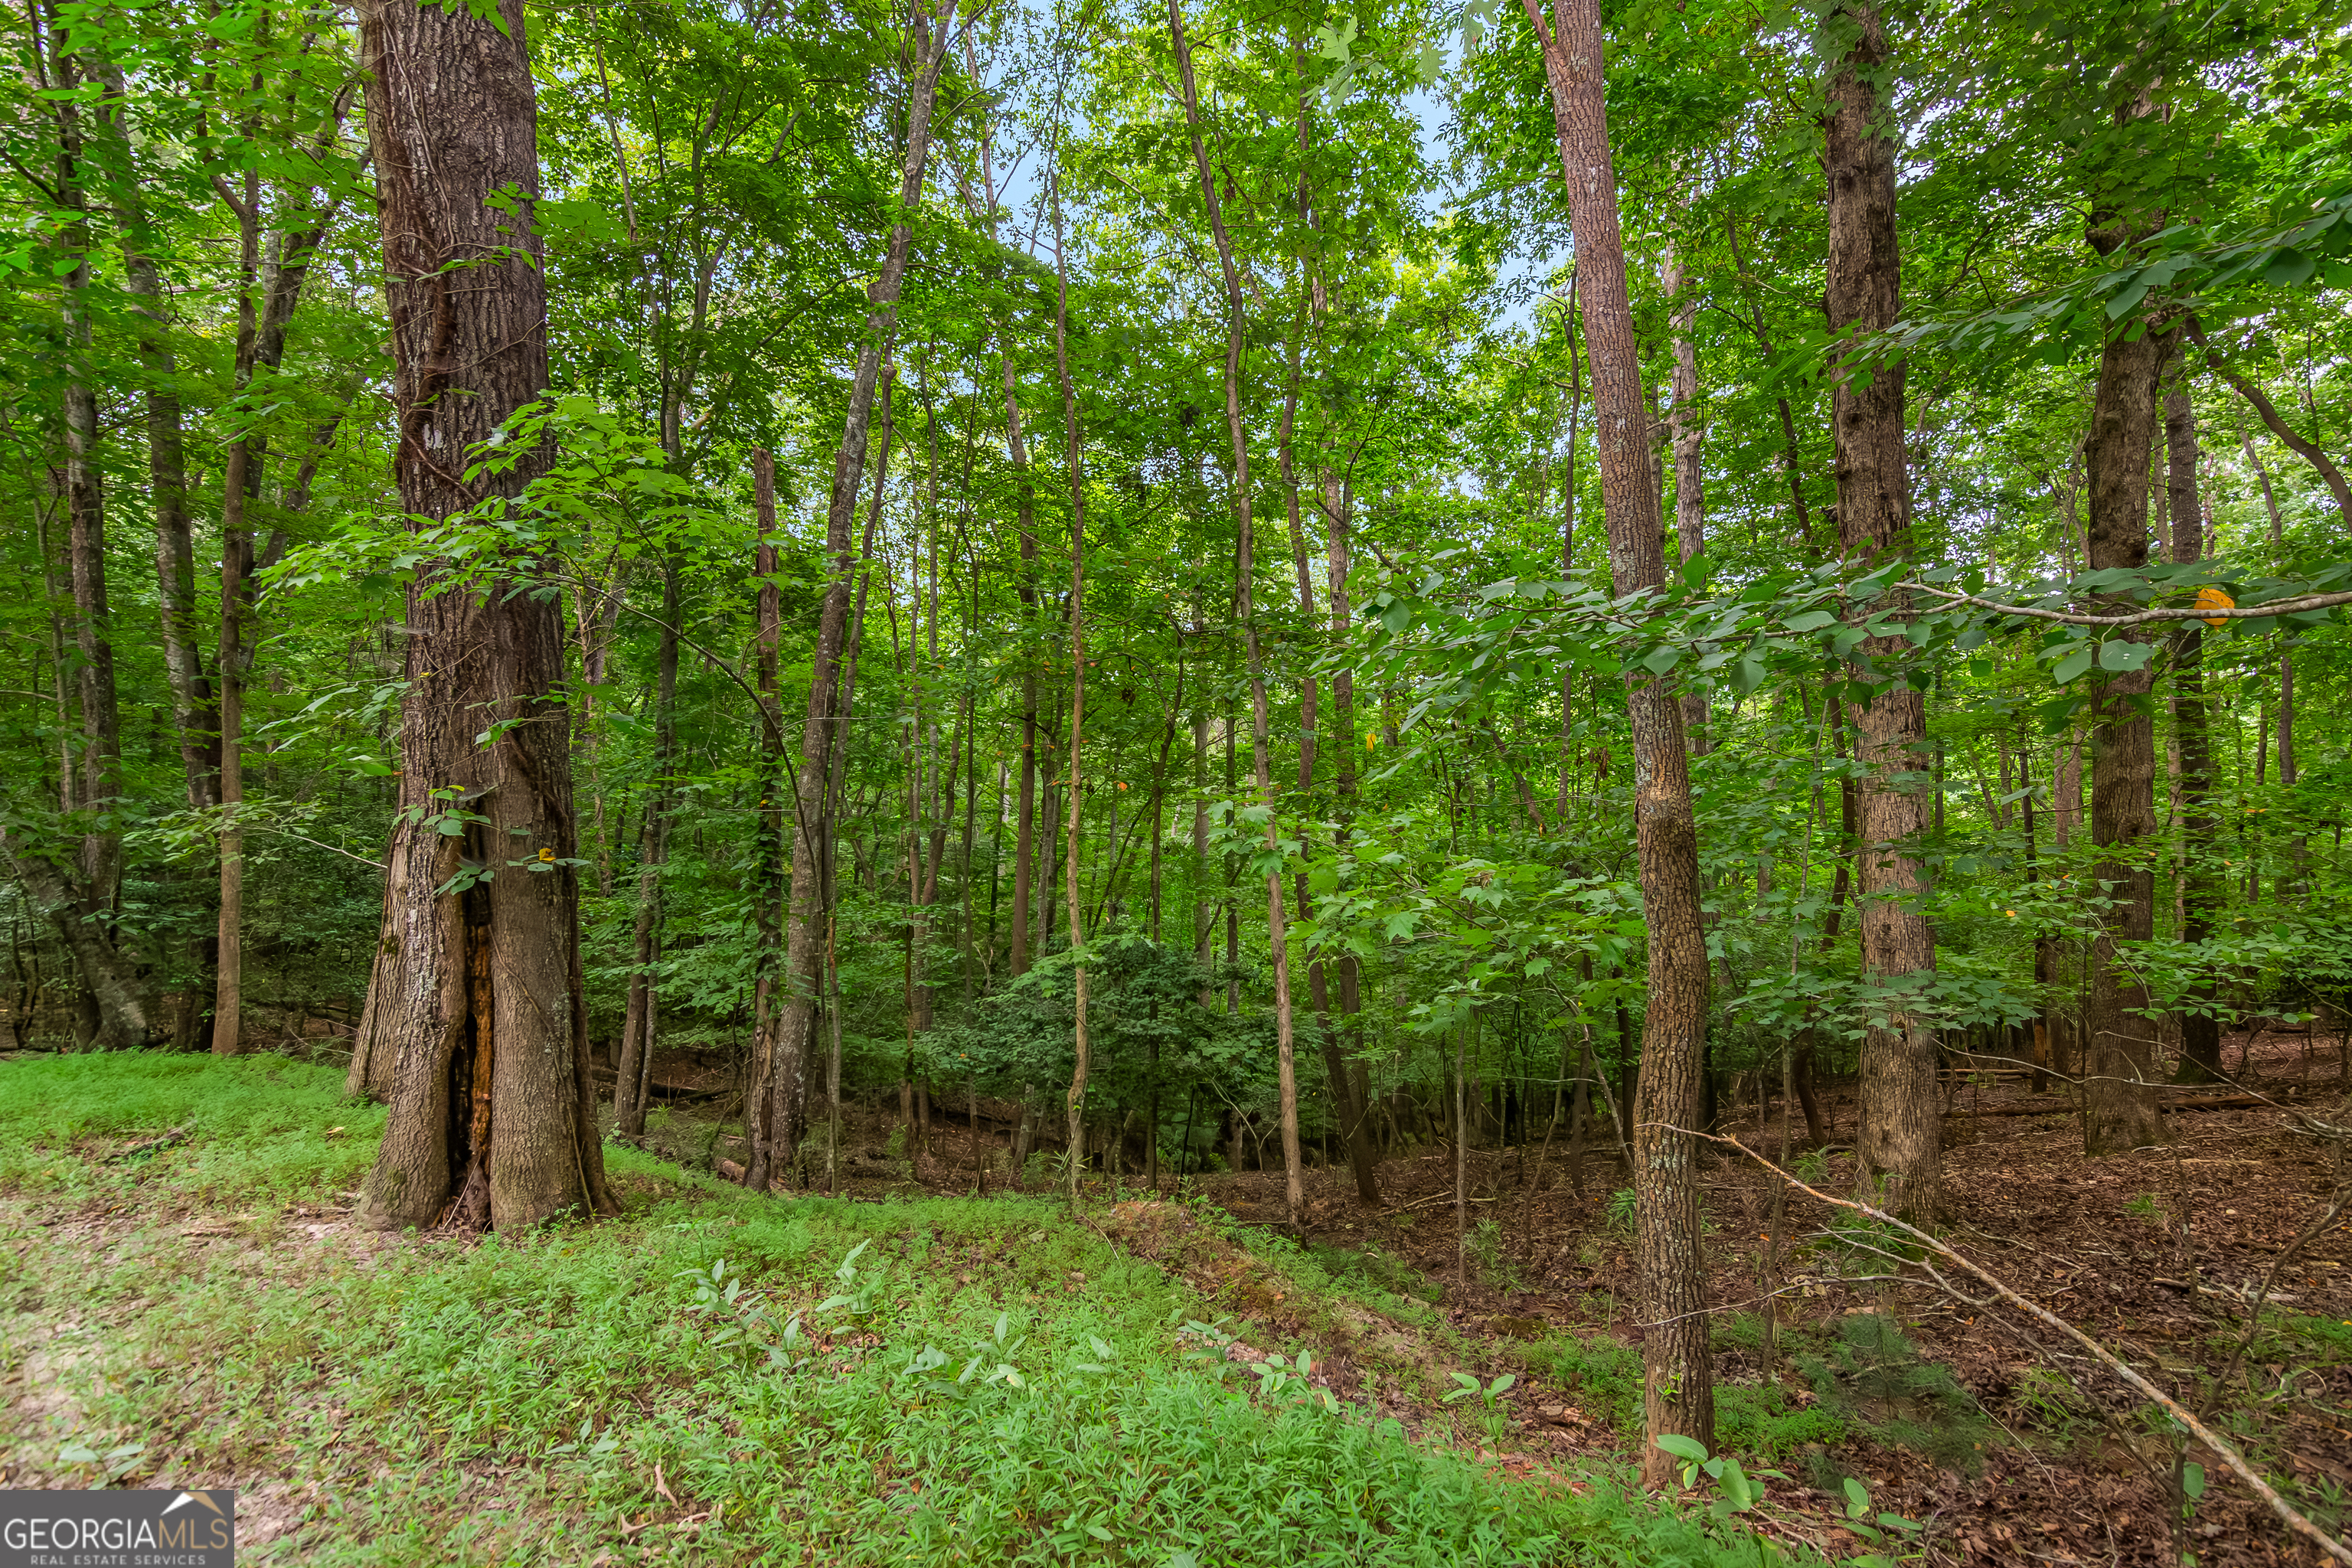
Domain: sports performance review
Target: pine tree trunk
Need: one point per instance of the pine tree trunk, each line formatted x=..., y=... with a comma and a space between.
x=1678, y=1382
x=1902, y=1120
x=479, y=1007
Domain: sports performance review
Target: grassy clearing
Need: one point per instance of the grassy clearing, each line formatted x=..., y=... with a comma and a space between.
x=972, y=1381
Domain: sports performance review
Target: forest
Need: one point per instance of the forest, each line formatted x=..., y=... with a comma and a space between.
x=1646, y=691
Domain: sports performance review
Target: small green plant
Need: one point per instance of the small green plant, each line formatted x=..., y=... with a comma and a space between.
x=1874, y=1377
x=1277, y=1377
x=1619, y=1212
x=1904, y=1533
x=860, y=1295
x=1469, y=1387
x=581, y=1442
x=1739, y=1491
x=753, y=1334
x=988, y=1360
x=116, y=1462
x=1485, y=1245
x=2143, y=1207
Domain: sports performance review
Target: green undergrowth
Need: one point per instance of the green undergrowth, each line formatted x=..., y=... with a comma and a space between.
x=1861, y=1372
x=716, y=1377
x=258, y=1126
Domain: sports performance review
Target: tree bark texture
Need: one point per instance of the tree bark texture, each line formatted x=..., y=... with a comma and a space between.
x=1901, y=1119
x=477, y=1005
x=1679, y=1381
x=2119, y=1107
x=2200, y=1033
x=1684, y=440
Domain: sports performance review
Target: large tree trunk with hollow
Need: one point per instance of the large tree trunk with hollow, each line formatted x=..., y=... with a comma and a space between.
x=1678, y=1373
x=1901, y=1139
x=477, y=1004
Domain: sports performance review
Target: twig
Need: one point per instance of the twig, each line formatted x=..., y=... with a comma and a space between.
x=2286, y=1511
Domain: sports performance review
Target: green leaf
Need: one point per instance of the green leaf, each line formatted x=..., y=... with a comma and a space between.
x=2075, y=664
x=1683, y=1447
x=1662, y=659
x=1810, y=621
x=2192, y=1481
x=2289, y=268
x=2126, y=655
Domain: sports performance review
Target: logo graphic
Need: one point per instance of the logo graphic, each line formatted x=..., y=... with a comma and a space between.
x=118, y=1530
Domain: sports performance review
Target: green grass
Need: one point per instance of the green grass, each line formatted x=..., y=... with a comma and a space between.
x=515, y=1399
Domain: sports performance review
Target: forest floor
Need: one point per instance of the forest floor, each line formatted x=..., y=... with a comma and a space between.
x=2003, y=1447
x=718, y=1376
x=197, y=1309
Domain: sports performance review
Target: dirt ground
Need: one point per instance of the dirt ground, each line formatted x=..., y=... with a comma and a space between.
x=2158, y=1254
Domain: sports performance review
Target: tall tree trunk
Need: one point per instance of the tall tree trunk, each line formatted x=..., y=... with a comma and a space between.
x=1363, y=1150
x=236, y=561
x=267, y=298
x=2200, y=1032
x=2119, y=1107
x=1024, y=847
x=641, y=1020
x=768, y=857
x=1335, y=1066
x=194, y=718
x=1567, y=747
x=1679, y=1381
x=1236, y=333
x=479, y=1006
x=1071, y=449
x=1901, y=1111
x=1687, y=438
x=108, y=973
x=787, y=1086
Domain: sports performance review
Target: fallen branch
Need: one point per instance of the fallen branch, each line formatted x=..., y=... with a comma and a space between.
x=2057, y=1107
x=2228, y=1455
